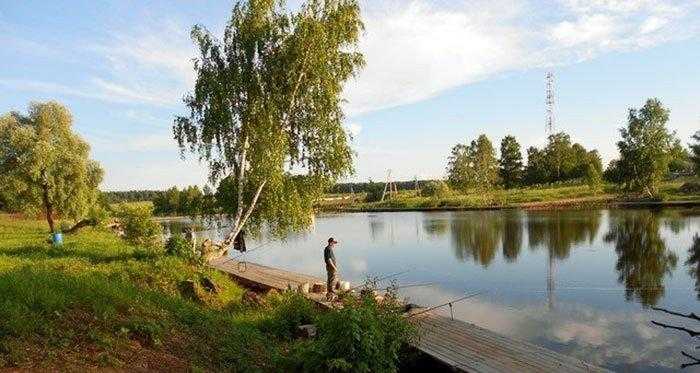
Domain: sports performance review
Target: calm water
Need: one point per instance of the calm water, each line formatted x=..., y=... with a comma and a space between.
x=578, y=282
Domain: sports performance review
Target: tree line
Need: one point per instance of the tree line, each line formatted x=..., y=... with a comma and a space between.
x=131, y=195
x=649, y=152
x=477, y=166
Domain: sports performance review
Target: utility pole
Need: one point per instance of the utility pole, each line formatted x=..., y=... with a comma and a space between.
x=389, y=186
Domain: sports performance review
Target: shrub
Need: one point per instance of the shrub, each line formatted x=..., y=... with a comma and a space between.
x=138, y=225
x=178, y=245
x=374, y=192
x=289, y=310
x=365, y=335
x=435, y=188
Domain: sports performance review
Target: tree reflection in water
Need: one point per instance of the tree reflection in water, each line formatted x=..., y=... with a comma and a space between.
x=558, y=231
x=693, y=263
x=512, y=234
x=477, y=236
x=643, y=259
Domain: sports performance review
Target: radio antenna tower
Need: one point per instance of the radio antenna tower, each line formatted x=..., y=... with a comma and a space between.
x=550, y=122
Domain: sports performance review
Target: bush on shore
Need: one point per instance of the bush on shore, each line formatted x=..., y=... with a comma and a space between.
x=435, y=189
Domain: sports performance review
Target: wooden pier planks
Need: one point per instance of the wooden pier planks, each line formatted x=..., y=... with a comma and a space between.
x=458, y=344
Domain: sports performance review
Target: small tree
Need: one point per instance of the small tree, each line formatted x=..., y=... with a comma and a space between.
x=560, y=156
x=695, y=149
x=594, y=177
x=46, y=167
x=460, y=171
x=645, y=148
x=536, y=171
x=680, y=162
x=511, y=162
x=485, y=162
x=266, y=108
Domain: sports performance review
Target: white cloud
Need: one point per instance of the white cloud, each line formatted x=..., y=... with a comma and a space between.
x=597, y=28
x=416, y=49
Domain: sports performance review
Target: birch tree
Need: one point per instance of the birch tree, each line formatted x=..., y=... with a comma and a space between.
x=265, y=113
x=645, y=148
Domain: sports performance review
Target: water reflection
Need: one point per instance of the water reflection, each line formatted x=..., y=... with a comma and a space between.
x=512, y=235
x=558, y=231
x=693, y=262
x=643, y=259
x=476, y=237
x=604, y=266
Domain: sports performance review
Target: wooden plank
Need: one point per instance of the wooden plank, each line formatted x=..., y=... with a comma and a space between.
x=457, y=344
x=492, y=355
x=522, y=351
x=525, y=348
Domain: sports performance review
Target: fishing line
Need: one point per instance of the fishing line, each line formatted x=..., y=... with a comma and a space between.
x=261, y=246
x=380, y=279
x=450, y=303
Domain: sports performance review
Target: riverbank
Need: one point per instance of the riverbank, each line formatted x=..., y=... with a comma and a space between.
x=97, y=302
x=575, y=196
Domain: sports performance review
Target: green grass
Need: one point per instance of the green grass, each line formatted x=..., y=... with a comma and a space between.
x=98, y=302
x=519, y=197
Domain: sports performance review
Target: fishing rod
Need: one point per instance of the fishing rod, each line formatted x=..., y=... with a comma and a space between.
x=381, y=279
x=247, y=252
x=412, y=285
x=450, y=303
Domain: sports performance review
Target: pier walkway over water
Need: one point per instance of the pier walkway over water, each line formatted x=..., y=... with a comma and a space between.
x=456, y=344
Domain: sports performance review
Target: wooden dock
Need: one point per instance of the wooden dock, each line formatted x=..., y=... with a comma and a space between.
x=456, y=344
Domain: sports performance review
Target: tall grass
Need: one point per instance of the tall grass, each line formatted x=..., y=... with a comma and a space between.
x=97, y=301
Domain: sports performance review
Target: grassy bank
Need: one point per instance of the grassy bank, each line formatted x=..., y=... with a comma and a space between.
x=531, y=197
x=99, y=302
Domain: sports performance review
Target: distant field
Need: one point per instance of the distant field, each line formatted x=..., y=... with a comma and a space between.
x=519, y=197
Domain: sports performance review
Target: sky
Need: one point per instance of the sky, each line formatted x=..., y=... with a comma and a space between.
x=438, y=72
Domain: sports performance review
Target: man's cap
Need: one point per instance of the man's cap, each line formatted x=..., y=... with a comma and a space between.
x=332, y=240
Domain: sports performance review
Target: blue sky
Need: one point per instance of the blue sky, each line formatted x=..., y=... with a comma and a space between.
x=438, y=72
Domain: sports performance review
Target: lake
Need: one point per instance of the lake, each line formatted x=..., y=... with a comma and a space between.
x=580, y=282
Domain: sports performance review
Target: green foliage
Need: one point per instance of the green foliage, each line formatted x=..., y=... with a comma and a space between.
x=363, y=336
x=695, y=149
x=267, y=100
x=131, y=196
x=138, y=225
x=44, y=166
x=474, y=165
x=178, y=245
x=536, y=171
x=680, y=163
x=374, y=191
x=511, y=162
x=288, y=311
x=435, y=188
x=560, y=161
x=88, y=302
x=645, y=148
x=594, y=177
x=191, y=201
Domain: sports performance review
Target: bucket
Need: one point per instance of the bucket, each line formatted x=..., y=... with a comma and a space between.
x=57, y=238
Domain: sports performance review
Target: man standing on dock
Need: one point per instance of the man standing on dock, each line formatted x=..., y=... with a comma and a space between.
x=331, y=268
